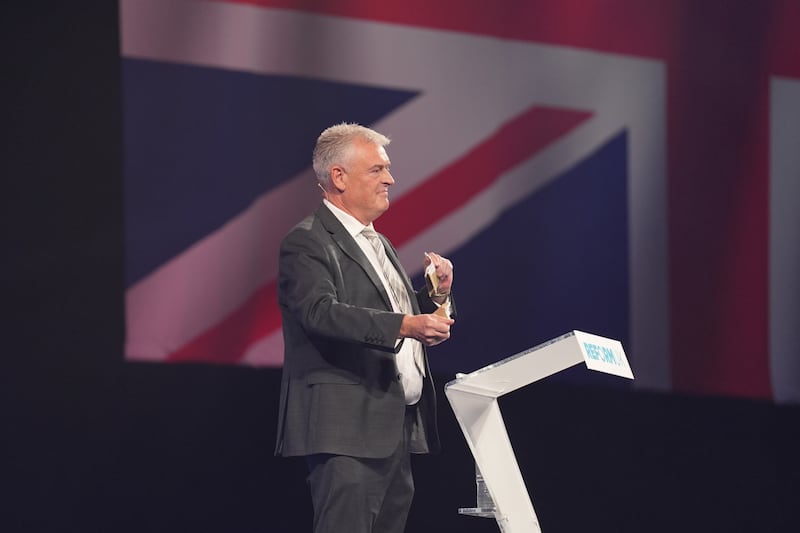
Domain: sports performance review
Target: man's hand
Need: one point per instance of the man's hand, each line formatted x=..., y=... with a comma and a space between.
x=443, y=270
x=430, y=330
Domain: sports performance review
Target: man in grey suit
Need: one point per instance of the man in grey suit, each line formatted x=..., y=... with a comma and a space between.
x=356, y=394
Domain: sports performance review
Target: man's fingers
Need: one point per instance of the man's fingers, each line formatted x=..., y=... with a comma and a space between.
x=433, y=340
x=439, y=329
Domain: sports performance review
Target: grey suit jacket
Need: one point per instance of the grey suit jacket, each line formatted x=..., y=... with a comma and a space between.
x=340, y=389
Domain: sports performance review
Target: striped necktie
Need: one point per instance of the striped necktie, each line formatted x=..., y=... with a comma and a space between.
x=396, y=287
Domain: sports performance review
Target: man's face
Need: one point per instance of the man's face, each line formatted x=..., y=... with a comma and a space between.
x=366, y=180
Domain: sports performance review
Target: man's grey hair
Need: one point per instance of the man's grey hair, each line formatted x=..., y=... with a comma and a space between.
x=333, y=147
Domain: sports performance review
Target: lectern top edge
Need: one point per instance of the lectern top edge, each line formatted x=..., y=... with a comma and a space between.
x=510, y=358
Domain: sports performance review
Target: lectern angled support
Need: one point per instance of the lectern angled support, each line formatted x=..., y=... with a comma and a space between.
x=473, y=398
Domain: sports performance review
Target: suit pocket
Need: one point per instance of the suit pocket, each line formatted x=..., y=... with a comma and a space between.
x=319, y=377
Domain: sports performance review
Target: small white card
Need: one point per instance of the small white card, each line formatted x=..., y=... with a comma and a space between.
x=604, y=355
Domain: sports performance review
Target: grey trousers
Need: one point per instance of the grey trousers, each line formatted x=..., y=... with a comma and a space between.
x=356, y=495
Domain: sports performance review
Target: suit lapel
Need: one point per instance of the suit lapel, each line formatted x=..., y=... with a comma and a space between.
x=350, y=247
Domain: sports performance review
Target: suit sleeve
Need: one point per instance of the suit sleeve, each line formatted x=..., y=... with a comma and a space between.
x=316, y=278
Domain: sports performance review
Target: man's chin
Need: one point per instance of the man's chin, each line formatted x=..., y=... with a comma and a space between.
x=381, y=210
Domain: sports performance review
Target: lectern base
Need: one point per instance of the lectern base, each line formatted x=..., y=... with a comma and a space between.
x=478, y=511
x=485, y=506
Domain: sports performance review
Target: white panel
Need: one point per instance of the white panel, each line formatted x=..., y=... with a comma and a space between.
x=784, y=240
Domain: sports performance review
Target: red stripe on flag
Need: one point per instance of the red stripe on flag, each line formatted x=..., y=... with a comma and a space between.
x=228, y=341
x=783, y=38
x=718, y=209
x=626, y=26
x=455, y=185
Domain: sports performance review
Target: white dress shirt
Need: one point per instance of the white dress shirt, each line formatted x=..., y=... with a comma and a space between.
x=409, y=374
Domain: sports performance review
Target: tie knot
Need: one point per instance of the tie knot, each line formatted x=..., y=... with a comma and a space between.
x=370, y=234
x=375, y=242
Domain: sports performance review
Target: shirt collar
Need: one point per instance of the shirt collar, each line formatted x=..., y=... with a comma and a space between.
x=350, y=223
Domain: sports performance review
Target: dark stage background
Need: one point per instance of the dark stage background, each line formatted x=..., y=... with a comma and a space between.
x=91, y=443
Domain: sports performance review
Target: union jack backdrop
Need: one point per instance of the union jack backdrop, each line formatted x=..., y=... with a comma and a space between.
x=626, y=168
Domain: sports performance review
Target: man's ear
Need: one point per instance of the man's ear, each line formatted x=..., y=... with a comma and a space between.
x=338, y=178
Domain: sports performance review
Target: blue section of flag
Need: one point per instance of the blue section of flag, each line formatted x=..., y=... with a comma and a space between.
x=556, y=262
x=193, y=133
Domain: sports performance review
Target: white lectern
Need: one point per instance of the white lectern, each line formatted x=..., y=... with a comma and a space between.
x=473, y=397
